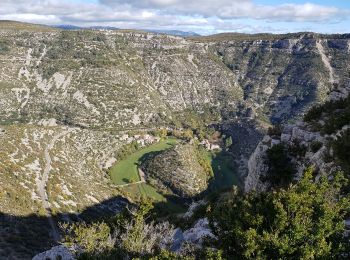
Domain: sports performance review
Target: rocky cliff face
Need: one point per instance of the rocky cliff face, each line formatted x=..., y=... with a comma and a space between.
x=109, y=79
x=307, y=137
x=282, y=76
x=131, y=79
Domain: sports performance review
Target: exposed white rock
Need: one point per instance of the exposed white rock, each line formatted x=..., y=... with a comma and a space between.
x=275, y=142
x=256, y=168
x=136, y=119
x=285, y=138
x=290, y=133
x=82, y=99
x=58, y=252
x=266, y=139
x=48, y=122
x=109, y=163
x=326, y=61
x=194, y=205
x=210, y=146
x=200, y=231
x=268, y=91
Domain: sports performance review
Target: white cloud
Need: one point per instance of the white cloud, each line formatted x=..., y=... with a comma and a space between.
x=230, y=9
x=213, y=15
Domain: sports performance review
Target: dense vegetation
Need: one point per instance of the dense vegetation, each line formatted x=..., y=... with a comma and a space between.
x=275, y=131
x=341, y=147
x=130, y=235
x=304, y=221
x=335, y=114
x=4, y=46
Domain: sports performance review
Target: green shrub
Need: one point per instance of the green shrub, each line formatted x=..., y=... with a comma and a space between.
x=228, y=142
x=4, y=46
x=94, y=238
x=275, y=131
x=127, y=149
x=305, y=221
x=297, y=149
x=336, y=114
x=314, y=113
x=204, y=161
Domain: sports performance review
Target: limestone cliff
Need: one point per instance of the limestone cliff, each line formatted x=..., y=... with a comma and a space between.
x=308, y=136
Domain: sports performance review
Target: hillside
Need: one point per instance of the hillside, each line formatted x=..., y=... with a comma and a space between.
x=102, y=79
x=177, y=171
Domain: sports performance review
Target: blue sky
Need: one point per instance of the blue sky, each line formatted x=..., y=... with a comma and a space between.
x=202, y=16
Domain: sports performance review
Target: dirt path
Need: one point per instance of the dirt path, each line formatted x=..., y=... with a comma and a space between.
x=142, y=179
x=129, y=184
x=42, y=184
x=141, y=175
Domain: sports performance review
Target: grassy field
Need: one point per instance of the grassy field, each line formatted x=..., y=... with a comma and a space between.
x=143, y=189
x=125, y=171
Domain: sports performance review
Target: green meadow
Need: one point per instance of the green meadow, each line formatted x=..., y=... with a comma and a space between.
x=125, y=171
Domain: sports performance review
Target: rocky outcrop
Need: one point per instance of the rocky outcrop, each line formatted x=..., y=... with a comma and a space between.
x=193, y=236
x=295, y=134
x=257, y=166
x=301, y=134
x=57, y=252
x=282, y=76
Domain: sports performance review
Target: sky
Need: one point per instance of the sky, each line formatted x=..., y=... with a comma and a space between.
x=201, y=16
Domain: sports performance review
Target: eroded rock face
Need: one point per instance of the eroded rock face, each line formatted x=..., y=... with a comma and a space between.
x=177, y=171
x=127, y=79
x=257, y=166
x=301, y=134
x=199, y=231
x=291, y=135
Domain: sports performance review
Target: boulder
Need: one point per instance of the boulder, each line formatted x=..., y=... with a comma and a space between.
x=285, y=138
x=200, y=231
x=58, y=252
x=275, y=142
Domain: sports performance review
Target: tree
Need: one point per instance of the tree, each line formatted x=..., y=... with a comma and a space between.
x=305, y=221
x=162, y=133
x=126, y=236
x=92, y=239
x=228, y=142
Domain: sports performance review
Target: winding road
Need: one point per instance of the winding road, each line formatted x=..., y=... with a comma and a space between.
x=42, y=184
